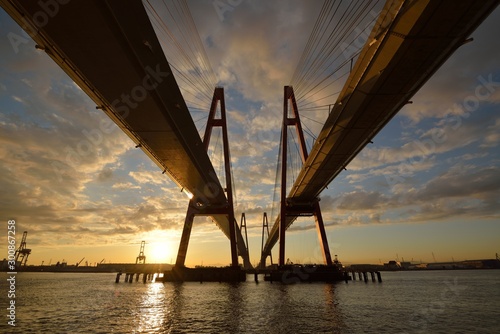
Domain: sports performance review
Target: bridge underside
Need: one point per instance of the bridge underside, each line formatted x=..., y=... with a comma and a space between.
x=110, y=49
x=408, y=44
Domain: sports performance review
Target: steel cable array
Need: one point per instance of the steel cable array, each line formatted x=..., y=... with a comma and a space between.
x=182, y=45
x=335, y=42
x=337, y=37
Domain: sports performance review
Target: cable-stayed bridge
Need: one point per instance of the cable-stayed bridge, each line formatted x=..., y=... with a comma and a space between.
x=409, y=42
x=111, y=50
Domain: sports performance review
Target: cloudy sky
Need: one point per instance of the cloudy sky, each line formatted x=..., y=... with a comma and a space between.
x=430, y=183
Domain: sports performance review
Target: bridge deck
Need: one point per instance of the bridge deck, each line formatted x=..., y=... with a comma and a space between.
x=409, y=42
x=109, y=48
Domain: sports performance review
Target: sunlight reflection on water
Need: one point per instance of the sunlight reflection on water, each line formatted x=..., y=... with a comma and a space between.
x=418, y=302
x=151, y=310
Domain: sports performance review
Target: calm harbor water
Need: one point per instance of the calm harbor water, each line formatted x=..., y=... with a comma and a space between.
x=406, y=302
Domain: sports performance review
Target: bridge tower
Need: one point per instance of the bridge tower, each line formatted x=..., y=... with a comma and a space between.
x=287, y=207
x=237, y=244
x=265, y=229
x=243, y=227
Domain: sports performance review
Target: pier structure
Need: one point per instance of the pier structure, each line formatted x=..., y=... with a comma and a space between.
x=363, y=275
x=129, y=277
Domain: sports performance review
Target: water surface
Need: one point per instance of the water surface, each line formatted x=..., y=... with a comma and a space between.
x=405, y=302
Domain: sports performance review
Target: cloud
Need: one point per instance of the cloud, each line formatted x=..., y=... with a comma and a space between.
x=255, y=56
x=465, y=190
x=418, y=149
x=307, y=227
x=451, y=94
x=463, y=181
x=125, y=186
x=105, y=175
x=152, y=177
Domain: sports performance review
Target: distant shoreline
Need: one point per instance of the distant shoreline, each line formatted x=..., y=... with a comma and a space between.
x=100, y=268
x=159, y=268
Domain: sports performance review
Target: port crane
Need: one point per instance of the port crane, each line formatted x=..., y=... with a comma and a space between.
x=78, y=263
x=141, y=258
x=22, y=252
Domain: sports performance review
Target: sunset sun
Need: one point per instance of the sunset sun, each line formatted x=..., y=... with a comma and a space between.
x=159, y=252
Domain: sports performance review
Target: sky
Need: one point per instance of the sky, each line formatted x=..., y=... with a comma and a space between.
x=427, y=189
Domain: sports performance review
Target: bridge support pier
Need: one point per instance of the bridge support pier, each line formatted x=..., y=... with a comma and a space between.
x=287, y=207
x=197, y=204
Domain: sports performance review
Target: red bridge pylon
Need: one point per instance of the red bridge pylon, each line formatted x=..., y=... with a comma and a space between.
x=237, y=244
x=288, y=207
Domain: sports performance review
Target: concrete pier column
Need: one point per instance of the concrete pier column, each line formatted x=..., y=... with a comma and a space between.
x=144, y=278
x=379, y=277
x=137, y=277
x=118, y=277
x=353, y=275
x=373, y=276
x=365, y=276
x=359, y=274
